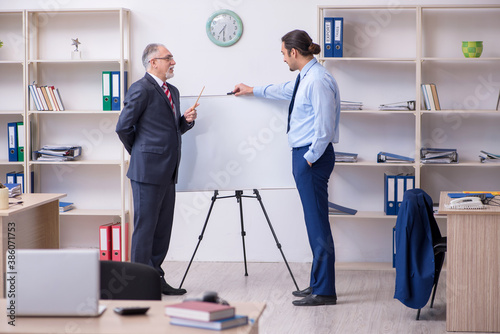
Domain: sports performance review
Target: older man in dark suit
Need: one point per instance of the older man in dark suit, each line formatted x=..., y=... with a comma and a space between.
x=150, y=127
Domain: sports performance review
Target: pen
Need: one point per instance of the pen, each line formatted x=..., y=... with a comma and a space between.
x=230, y=93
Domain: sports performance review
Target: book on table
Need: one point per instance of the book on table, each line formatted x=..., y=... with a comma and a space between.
x=198, y=310
x=237, y=320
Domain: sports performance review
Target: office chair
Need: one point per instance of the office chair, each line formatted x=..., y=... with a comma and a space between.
x=439, y=247
x=420, y=251
x=128, y=280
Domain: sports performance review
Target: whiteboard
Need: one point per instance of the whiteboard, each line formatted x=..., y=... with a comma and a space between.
x=237, y=143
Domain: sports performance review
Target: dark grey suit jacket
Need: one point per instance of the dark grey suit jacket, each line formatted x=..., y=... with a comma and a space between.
x=150, y=132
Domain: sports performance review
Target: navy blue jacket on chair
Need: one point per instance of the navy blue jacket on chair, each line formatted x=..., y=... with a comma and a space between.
x=415, y=266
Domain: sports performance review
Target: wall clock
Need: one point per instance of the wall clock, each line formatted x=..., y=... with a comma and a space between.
x=224, y=27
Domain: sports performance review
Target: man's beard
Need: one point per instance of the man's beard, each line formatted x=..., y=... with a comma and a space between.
x=169, y=74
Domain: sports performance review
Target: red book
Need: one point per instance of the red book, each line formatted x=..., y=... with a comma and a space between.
x=198, y=310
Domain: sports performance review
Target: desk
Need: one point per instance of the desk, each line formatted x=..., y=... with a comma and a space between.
x=34, y=224
x=473, y=268
x=154, y=321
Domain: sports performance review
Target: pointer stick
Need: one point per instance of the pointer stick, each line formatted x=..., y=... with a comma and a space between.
x=194, y=106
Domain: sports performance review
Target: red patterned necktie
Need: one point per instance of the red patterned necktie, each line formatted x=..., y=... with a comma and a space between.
x=167, y=92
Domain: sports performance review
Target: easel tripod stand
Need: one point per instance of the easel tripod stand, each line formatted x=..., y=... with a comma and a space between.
x=238, y=194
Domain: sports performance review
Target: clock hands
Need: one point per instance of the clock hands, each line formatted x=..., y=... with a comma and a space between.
x=223, y=31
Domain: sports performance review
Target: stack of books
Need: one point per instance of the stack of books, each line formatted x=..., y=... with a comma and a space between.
x=205, y=315
x=346, y=157
x=65, y=206
x=46, y=98
x=57, y=153
x=438, y=155
x=391, y=158
x=489, y=157
x=349, y=105
x=431, y=100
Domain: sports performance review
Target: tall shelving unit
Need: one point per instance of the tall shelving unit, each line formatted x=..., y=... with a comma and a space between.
x=388, y=53
x=97, y=182
x=12, y=69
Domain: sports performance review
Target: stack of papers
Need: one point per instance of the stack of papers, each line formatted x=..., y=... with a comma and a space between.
x=57, y=153
x=349, y=105
x=391, y=157
x=405, y=105
x=489, y=157
x=14, y=189
x=346, y=157
x=438, y=155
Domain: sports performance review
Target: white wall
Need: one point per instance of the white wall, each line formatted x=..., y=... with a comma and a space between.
x=255, y=60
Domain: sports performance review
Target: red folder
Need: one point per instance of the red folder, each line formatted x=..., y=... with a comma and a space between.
x=105, y=241
x=118, y=248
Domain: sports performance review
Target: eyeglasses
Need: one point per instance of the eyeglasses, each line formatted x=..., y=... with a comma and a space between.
x=167, y=58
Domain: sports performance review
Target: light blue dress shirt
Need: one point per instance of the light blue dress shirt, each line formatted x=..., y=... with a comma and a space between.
x=316, y=110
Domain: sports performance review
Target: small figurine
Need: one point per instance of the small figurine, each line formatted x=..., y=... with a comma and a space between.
x=76, y=54
x=75, y=43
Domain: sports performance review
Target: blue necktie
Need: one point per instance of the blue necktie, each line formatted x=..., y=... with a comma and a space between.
x=290, y=108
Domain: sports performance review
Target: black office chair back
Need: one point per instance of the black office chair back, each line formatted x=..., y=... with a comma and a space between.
x=127, y=280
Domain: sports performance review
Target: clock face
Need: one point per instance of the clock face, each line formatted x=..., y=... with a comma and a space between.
x=224, y=27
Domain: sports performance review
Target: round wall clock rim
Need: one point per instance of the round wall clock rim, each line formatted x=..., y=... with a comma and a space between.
x=232, y=14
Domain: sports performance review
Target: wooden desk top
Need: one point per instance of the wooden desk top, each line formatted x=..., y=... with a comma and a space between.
x=154, y=321
x=444, y=200
x=29, y=201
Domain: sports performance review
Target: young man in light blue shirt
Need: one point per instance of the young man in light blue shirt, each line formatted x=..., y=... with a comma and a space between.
x=313, y=125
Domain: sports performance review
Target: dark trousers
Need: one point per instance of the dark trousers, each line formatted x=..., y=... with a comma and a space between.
x=153, y=218
x=312, y=184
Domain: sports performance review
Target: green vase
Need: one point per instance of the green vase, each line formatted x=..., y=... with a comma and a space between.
x=472, y=49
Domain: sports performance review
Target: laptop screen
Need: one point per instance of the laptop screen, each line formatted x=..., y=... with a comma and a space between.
x=53, y=282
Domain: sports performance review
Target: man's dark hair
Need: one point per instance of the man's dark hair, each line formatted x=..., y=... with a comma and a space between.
x=300, y=41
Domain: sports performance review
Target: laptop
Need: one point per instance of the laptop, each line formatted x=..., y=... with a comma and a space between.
x=54, y=282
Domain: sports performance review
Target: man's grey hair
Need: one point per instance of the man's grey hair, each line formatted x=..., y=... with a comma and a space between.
x=149, y=52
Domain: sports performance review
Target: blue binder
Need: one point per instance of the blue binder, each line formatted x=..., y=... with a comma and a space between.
x=341, y=208
x=10, y=177
x=116, y=89
x=338, y=36
x=403, y=183
x=391, y=157
x=12, y=140
x=18, y=177
x=390, y=194
x=328, y=37
x=20, y=180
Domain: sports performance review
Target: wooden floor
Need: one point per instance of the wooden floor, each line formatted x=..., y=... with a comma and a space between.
x=365, y=297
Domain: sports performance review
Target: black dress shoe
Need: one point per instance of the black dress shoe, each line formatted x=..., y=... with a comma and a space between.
x=166, y=289
x=315, y=300
x=302, y=293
